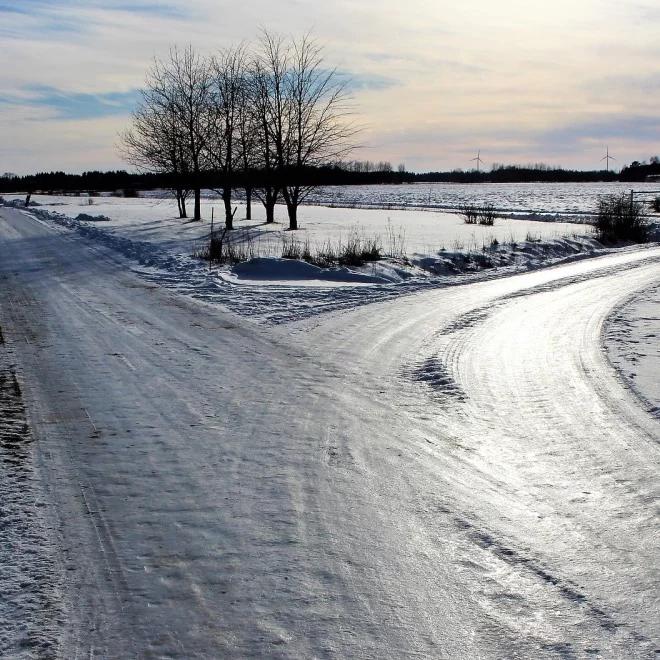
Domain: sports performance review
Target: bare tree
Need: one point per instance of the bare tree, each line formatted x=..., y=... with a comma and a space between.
x=266, y=95
x=306, y=113
x=280, y=119
x=155, y=142
x=248, y=136
x=188, y=75
x=224, y=148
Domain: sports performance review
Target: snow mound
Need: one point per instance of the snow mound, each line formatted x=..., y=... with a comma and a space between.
x=632, y=336
x=85, y=217
x=274, y=269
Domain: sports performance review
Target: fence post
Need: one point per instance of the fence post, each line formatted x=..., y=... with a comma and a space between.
x=211, y=239
x=632, y=193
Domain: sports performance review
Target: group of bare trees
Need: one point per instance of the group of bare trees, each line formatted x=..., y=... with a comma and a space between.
x=249, y=117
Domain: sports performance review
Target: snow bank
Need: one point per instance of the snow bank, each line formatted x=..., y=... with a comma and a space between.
x=526, y=255
x=632, y=338
x=31, y=606
x=85, y=217
x=291, y=270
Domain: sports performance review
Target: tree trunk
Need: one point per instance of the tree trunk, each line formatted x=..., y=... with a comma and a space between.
x=270, y=199
x=198, y=204
x=229, y=216
x=270, y=211
x=291, y=200
x=181, y=203
x=248, y=203
x=292, y=209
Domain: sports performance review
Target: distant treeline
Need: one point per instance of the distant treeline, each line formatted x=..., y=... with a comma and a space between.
x=637, y=171
x=131, y=183
x=518, y=174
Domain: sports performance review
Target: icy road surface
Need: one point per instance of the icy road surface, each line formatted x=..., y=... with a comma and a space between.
x=458, y=473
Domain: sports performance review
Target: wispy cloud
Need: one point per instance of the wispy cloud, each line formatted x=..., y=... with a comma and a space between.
x=54, y=6
x=71, y=105
x=25, y=7
x=365, y=81
x=41, y=19
x=432, y=80
x=620, y=126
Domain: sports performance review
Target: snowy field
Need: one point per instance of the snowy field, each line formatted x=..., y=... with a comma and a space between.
x=420, y=248
x=422, y=232
x=423, y=238
x=543, y=199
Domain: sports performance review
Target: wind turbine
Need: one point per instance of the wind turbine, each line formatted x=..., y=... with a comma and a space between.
x=478, y=159
x=607, y=158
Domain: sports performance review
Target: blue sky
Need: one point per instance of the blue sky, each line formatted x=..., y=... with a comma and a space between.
x=433, y=81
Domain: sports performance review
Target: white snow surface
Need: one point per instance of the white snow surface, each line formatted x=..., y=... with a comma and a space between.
x=545, y=201
x=422, y=232
x=458, y=472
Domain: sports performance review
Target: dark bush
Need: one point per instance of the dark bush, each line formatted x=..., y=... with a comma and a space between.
x=469, y=213
x=487, y=215
x=358, y=250
x=228, y=247
x=618, y=218
x=292, y=249
x=473, y=214
x=355, y=252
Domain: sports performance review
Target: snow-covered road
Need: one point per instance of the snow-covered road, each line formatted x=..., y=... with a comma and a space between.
x=455, y=473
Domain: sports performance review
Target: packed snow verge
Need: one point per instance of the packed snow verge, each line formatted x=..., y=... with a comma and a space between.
x=159, y=246
x=31, y=603
x=632, y=337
